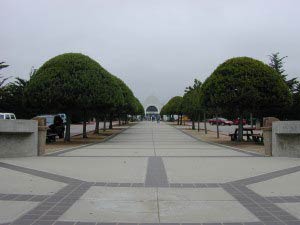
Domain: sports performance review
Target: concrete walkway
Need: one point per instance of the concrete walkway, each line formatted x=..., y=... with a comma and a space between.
x=150, y=174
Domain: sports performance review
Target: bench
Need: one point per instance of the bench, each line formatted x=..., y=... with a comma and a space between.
x=247, y=132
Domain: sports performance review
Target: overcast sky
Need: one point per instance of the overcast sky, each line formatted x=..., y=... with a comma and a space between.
x=156, y=47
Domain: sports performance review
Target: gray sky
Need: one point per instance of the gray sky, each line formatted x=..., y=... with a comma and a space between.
x=156, y=47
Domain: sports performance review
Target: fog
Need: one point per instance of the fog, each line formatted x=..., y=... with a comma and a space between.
x=156, y=47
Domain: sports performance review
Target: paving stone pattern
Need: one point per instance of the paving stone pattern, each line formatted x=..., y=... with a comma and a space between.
x=157, y=138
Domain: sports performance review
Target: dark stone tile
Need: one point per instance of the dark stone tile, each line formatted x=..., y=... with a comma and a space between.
x=200, y=185
x=191, y=224
x=23, y=197
x=211, y=223
x=185, y=185
x=8, y=197
x=22, y=222
x=44, y=222
x=293, y=223
x=253, y=223
x=100, y=184
x=274, y=223
x=142, y=224
x=55, y=212
x=232, y=223
x=267, y=218
x=49, y=217
x=177, y=185
x=31, y=216
x=86, y=223
x=212, y=185
x=127, y=224
x=169, y=224
x=64, y=223
x=286, y=217
x=108, y=224
x=36, y=211
x=137, y=185
x=112, y=184
x=125, y=185
x=156, y=175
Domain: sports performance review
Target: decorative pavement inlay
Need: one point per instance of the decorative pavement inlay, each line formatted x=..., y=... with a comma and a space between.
x=52, y=207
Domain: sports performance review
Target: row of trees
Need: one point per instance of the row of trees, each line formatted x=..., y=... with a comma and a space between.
x=74, y=84
x=239, y=87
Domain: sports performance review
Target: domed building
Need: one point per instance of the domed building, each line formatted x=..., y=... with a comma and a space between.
x=152, y=106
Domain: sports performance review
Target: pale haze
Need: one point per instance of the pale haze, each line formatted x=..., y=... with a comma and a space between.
x=156, y=47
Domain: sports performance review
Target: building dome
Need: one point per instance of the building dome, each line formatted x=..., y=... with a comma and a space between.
x=152, y=105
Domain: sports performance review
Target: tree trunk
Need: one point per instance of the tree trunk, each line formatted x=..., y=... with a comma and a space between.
x=218, y=133
x=119, y=117
x=205, y=127
x=251, y=120
x=240, y=136
x=181, y=119
x=110, y=122
x=104, y=124
x=68, y=128
x=198, y=123
x=84, y=126
x=193, y=125
x=97, y=126
x=178, y=119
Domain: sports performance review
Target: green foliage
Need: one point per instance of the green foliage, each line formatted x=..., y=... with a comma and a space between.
x=69, y=82
x=191, y=102
x=128, y=105
x=139, y=109
x=2, y=80
x=294, y=111
x=242, y=85
x=173, y=107
x=277, y=62
x=12, y=96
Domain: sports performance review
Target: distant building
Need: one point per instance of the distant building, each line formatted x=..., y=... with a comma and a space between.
x=152, y=106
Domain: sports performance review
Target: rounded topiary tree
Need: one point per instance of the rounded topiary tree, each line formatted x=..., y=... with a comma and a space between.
x=174, y=107
x=242, y=85
x=68, y=83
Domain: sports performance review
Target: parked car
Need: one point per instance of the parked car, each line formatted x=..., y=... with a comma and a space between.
x=55, y=124
x=236, y=121
x=7, y=116
x=49, y=119
x=63, y=116
x=220, y=121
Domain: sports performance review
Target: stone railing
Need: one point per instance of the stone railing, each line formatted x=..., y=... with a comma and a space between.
x=18, y=138
x=286, y=138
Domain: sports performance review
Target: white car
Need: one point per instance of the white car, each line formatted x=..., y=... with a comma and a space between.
x=7, y=116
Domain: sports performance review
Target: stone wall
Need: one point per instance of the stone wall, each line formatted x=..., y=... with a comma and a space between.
x=18, y=138
x=286, y=138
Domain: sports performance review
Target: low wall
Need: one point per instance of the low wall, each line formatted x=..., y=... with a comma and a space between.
x=18, y=138
x=286, y=138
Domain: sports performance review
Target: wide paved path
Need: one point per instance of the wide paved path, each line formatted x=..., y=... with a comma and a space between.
x=150, y=174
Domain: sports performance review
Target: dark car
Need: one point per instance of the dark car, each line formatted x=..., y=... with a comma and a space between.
x=220, y=121
x=55, y=124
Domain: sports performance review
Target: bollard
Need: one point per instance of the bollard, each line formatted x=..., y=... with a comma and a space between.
x=42, y=135
x=267, y=133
